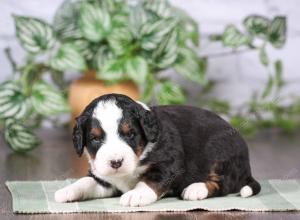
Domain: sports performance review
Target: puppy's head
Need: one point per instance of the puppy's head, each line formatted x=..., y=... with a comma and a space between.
x=115, y=131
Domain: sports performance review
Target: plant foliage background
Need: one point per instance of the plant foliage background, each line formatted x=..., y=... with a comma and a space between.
x=125, y=41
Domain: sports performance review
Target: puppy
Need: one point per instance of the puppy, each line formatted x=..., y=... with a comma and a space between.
x=144, y=153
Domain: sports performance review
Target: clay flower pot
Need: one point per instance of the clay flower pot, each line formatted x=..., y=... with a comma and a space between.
x=83, y=90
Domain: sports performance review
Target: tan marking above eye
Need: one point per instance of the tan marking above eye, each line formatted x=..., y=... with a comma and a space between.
x=125, y=127
x=96, y=132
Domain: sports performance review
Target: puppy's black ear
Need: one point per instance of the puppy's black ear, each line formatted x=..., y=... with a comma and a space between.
x=149, y=123
x=78, y=134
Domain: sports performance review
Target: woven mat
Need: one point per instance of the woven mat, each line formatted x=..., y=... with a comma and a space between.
x=38, y=197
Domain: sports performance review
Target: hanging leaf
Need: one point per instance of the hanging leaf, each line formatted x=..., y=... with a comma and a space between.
x=120, y=40
x=112, y=71
x=13, y=104
x=48, y=101
x=69, y=58
x=232, y=37
x=257, y=25
x=188, y=27
x=264, y=59
x=277, y=32
x=166, y=52
x=148, y=89
x=18, y=137
x=268, y=87
x=161, y=8
x=35, y=35
x=137, y=69
x=153, y=33
x=102, y=56
x=190, y=66
x=95, y=22
x=137, y=18
x=65, y=21
x=170, y=93
x=278, y=73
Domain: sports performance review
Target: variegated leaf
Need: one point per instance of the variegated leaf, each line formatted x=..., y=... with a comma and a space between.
x=18, y=137
x=170, y=93
x=166, y=52
x=95, y=22
x=277, y=32
x=161, y=8
x=102, y=56
x=119, y=40
x=257, y=25
x=232, y=37
x=13, y=103
x=112, y=71
x=35, y=35
x=68, y=57
x=137, y=69
x=153, y=33
x=48, y=101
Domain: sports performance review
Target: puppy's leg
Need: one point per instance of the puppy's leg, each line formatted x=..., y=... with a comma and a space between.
x=84, y=188
x=201, y=190
x=141, y=195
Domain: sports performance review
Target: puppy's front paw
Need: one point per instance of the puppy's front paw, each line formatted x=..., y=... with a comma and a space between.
x=137, y=197
x=195, y=191
x=67, y=194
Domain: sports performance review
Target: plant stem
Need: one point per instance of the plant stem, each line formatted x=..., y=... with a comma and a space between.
x=11, y=60
x=227, y=53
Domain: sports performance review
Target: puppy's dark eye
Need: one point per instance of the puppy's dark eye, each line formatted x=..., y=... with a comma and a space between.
x=95, y=139
x=130, y=134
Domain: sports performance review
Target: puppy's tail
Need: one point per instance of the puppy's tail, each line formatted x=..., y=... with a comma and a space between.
x=251, y=188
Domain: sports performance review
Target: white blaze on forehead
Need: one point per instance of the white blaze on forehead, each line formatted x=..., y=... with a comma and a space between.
x=109, y=115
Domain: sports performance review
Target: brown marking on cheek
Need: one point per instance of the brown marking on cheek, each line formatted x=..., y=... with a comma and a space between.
x=125, y=127
x=97, y=132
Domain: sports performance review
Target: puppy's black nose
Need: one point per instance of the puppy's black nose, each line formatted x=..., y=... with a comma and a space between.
x=116, y=163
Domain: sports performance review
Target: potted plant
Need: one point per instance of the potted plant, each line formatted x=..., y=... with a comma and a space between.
x=118, y=47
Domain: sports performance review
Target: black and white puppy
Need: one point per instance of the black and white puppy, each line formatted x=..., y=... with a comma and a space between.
x=144, y=153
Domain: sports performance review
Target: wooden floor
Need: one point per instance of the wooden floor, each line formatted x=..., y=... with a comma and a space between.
x=271, y=157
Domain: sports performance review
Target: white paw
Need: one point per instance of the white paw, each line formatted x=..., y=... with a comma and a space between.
x=140, y=196
x=195, y=191
x=67, y=194
x=246, y=191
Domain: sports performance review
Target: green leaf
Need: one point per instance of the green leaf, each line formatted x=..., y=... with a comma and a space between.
x=170, y=93
x=48, y=101
x=153, y=33
x=161, y=8
x=19, y=138
x=95, y=22
x=112, y=71
x=65, y=21
x=190, y=66
x=137, y=18
x=232, y=37
x=68, y=57
x=188, y=27
x=13, y=103
x=263, y=56
x=137, y=69
x=120, y=40
x=35, y=35
x=243, y=125
x=288, y=125
x=278, y=73
x=148, y=89
x=257, y=26
x=102, y=56
x=166, y=52
x=268, y=87
x=277, y=32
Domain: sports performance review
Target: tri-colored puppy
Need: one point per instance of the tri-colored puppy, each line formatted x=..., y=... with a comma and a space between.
x=144, y=153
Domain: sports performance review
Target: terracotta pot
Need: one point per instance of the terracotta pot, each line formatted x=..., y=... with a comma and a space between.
x=83, y=90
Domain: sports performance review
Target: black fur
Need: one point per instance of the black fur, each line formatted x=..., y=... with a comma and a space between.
x=191, y=144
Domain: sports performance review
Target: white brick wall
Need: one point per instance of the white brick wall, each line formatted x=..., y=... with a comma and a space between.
x=238, y=75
